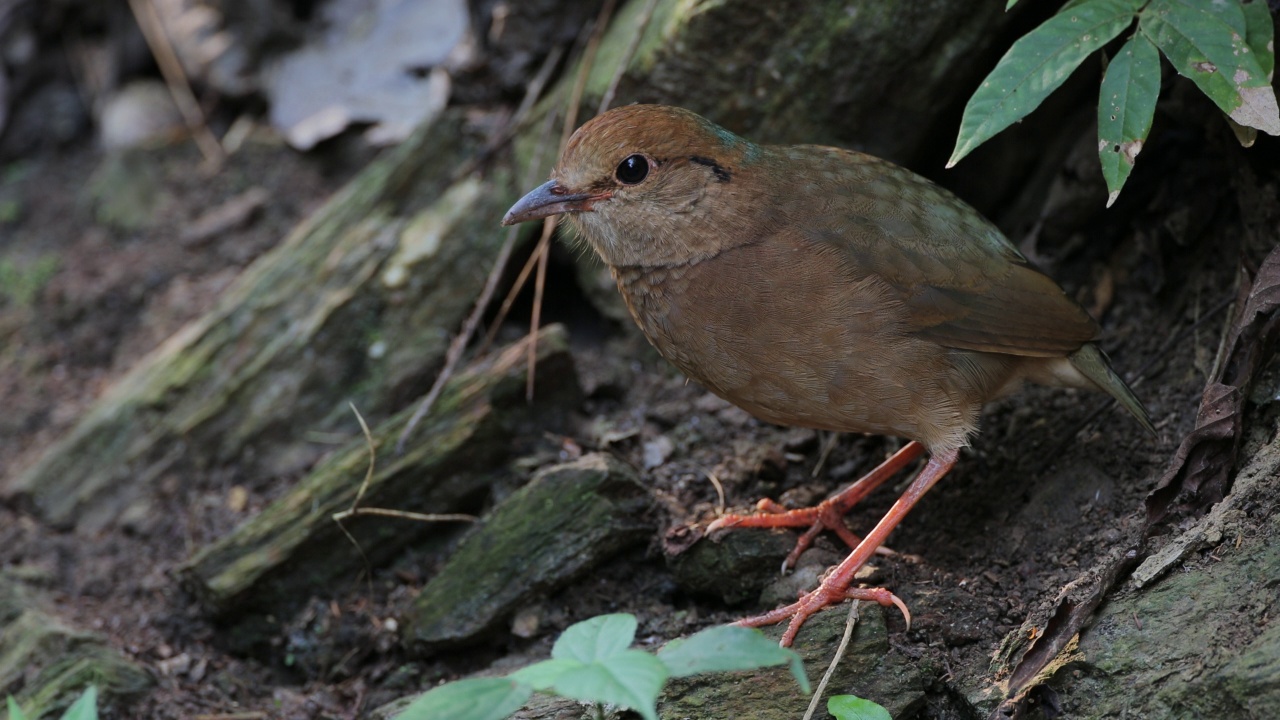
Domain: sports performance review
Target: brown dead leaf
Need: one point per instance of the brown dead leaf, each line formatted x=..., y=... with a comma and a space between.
x=1201, y=470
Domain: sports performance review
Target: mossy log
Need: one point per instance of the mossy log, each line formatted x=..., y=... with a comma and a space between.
x=294, y=546
x=46, y=664
x=562, y=523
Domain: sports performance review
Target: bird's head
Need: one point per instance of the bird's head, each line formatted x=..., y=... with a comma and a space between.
x=649, y=185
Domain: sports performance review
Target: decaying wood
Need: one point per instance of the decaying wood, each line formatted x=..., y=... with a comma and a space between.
x=294, y=546
x=51, y=661
x=564, y=522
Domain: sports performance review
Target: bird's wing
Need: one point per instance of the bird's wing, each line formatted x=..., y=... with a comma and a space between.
x=963, y=283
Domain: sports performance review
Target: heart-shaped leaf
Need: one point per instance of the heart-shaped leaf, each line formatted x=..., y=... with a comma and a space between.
x=725, y=647
x=473, y=699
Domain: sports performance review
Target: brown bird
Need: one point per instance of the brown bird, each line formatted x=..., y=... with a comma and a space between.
x=822, y=288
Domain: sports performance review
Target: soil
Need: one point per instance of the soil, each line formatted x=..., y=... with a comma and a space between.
x=1045, y=492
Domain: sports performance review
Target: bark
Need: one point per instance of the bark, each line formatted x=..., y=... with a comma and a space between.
x=52, y=662
x=295, y=544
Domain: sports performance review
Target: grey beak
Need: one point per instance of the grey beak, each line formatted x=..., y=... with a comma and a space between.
x=545, y=200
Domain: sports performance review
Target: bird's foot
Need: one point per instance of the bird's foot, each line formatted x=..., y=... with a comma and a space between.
x=827, y=515
x=828, y=593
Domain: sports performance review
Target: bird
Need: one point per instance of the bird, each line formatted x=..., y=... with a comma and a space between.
x=823, y=288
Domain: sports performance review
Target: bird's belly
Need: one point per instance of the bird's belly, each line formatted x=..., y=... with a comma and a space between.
x=833, y=360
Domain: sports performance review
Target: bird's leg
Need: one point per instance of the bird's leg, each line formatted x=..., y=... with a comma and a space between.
x=835, y=585
x=827, y=515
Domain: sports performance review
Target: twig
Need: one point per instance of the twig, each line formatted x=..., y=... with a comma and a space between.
x=828, y=444
x=459, y=343
x=518, y=119
x=642, y=26
x=405, y=515
x=144, y=12
x=831, y=669
x=549, y=225
x=364, y=485
x=715, y=482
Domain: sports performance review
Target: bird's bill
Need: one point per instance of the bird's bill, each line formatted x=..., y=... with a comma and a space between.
x=548, y=199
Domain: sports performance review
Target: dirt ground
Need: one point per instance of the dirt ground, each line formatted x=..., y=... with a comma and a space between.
x=1046, y=490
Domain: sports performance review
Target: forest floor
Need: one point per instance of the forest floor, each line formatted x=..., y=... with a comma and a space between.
x=1042, y=495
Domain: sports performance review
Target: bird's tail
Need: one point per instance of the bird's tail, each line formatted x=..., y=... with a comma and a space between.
x=1093, y=364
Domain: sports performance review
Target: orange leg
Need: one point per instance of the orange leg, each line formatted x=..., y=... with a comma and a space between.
x=835, y=586
x=827, y=515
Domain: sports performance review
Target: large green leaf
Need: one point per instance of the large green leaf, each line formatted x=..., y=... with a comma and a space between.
x=600, y=637
x=631, y=679
x=1209, y=51
x=1126, y=106
x=1036, y=65
x=852, y=707
x=542, y=675
x=85, y=707
x=474, y=699
x=1260, y=34
x=725, y=647
x=15, y=712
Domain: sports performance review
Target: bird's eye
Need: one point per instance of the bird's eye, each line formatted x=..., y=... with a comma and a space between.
x=634, y=169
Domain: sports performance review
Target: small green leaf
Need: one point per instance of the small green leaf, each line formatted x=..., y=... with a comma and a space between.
x=1009, y=5
x=600, y=637
x=631, y=679
x=15, y=712
x=474, y=699
x=542, y=675
x=852, y=707
x=1036, y=65
x=1125, y=109
x=1260, y=34
x=1209, y=51
x=85, y=707
x=725, y=647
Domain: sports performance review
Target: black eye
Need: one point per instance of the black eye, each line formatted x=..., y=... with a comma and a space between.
x=634, y=169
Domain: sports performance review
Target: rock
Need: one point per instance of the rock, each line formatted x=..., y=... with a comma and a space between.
x=736, y=567
x=566, y=520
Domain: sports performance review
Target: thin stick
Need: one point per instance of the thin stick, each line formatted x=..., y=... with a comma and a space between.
x=831, y=669
x=460, y=342
x=405, y=515
x=641, y=28
x=549, y=225
x=535, y=319
x=828, y=444
x=715, y=482
x=144, y=12
x=512, y=294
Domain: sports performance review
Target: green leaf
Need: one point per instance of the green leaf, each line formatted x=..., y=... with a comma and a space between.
x=474, y=699
x=1036, y=65
x=852, y=707
x=1209, y=51
x=631, y=679
x=724, y=648
x=542, y=675
x=1125, y=109
x=1009, y=5
x=85, y=707
x=15, y=712
x=600, y=637
x=1260, y=34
